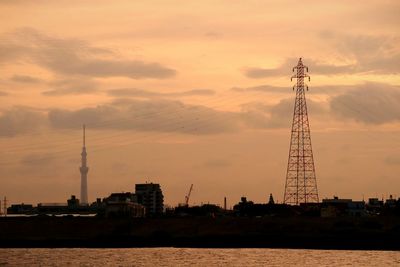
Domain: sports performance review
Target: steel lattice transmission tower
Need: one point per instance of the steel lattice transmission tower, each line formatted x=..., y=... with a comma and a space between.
x=301, y=183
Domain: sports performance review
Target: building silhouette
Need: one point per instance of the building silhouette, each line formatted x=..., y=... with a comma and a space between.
x=151, y=197
x=123, y=205
x=336, y=207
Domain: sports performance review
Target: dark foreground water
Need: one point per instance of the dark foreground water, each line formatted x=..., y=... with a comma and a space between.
x=196, y=257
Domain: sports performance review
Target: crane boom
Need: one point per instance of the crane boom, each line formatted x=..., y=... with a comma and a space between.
x=188, y=195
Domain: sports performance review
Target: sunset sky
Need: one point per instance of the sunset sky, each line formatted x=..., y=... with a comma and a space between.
x=196, y=92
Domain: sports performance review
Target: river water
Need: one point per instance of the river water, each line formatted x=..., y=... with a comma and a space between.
x=195, y=257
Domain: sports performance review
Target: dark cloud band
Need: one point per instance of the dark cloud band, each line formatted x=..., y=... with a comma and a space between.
x=75, y=57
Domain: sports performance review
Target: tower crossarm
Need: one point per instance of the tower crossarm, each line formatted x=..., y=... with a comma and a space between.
x=305, y=75
x=300, y=73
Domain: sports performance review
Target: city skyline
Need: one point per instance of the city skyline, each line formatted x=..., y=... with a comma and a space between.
x=196, y=93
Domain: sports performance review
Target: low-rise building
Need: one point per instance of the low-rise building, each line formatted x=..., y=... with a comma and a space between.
x=374, y=206
x=20, y=209
x=390, y=202
x=123, y=205
x=247, y=208
x=124, y=209
x=342, y=207
x=71, y=207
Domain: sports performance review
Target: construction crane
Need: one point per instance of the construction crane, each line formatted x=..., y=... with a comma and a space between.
x=187, y=197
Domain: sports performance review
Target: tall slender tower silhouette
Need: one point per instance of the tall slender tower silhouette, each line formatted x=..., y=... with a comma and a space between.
x=301, y=183
x=84, y=171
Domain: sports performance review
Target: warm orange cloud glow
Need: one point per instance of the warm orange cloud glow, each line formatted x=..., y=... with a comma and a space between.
x=182, y=92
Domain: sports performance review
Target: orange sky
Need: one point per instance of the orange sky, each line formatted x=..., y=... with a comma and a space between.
x=182, y=92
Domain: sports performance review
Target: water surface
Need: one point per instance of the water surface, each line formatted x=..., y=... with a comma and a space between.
x=195, y=257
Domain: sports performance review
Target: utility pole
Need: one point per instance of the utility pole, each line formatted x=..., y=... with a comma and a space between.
x=301, y=183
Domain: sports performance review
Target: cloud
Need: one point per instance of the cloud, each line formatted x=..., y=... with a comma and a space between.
x=259, y=115
x=217, y=163
x=321, y=89
x=75, y=57
x=285, y=69
x=133, y=92
x=392, y=160
x=258, y=73
x=20, y=120
x=24, y=79
x=149, y=115
x=371, y=103
x=213, y=35
x=161, y=115
x=73, y=86
x=261, y=88
x=372, y=53
x=106, y=68
x=367, y=54
x=37, y=159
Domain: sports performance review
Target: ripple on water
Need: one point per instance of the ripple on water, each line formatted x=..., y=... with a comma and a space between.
x=195, y=257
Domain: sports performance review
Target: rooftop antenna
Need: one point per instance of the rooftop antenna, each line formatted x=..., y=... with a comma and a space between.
x=84, y=135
